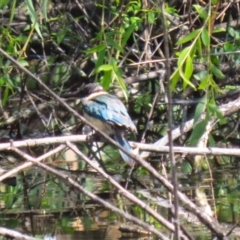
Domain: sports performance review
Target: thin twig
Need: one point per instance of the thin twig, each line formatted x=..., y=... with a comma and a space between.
x=94, y=197
x=187, y=202
x=149, y=117
x=123, y=191
x=46, y=141
x=225, y=109
x=15, y=235
x=29, y=164
x=170, y=125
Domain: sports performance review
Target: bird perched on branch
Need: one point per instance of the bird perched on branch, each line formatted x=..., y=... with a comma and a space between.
x=107, y=113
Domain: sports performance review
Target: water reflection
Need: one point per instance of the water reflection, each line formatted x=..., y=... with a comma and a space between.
x=66, y=227
x=42, y=205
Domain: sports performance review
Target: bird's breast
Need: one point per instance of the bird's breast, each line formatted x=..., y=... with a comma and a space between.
x=103, y=126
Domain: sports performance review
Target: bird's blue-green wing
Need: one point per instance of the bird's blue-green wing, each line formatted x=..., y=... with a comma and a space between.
x=108, y=108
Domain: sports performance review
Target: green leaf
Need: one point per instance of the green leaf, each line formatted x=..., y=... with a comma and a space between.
x=217, y=72
x=188, y=67
x=200, y=109
x=3, y=3
x=44, y=9
x=211, y=140
x=151, y=17
x=13, y=7
x=188, y=70
x=197, y=133
x=204, y=84
x=127, y=34
x=10, y=84
x=23, y=63
x=171, y=10
x=21, y=39
x=201, y=11
x=96, y=49
x=205, y=37
x=11, y=47
x=199, y=47
x=2, y=81
x=214, y=2
x=200, y=75
x=189, y=37
x=232, y=32
x=186, y=80
x=215, y=111
x=105, y=67
x=5, y=96
x=33, y=16
x=228, y=47
x=118, y=77
x=61, y=35
x=106, y=80
x=135, y=21
x=215, y=60
x=101, y=57
x=174, y=80
x=183, y=56
x=114, y=44
x=218, y=30
x=186, y=167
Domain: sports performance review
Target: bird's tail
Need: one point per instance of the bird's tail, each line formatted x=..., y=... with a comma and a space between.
x=119, y=137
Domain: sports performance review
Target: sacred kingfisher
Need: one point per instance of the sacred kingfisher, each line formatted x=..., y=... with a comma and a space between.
x=107, y=113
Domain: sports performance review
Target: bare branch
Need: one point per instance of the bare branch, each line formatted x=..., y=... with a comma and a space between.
x=73, y=183
x=123, y=191
x=14, y=234
x=29, y=164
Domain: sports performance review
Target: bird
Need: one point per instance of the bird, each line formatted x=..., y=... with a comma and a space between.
x=107, y=112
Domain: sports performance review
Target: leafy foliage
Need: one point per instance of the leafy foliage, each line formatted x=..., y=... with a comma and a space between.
x=120, y=45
